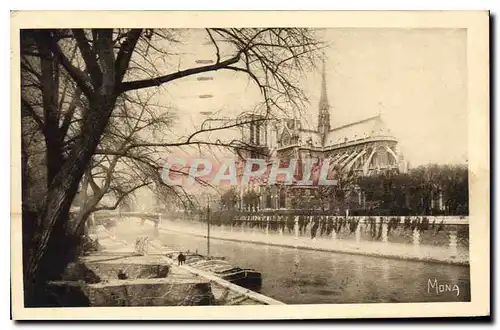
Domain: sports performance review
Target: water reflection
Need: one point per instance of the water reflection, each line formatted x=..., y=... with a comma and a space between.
x=313, y=277
x=384, y=264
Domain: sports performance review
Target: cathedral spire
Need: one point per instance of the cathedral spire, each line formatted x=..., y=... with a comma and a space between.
x=323, y=101
x=324, y=108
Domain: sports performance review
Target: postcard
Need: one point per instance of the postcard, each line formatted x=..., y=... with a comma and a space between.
x=250, y=165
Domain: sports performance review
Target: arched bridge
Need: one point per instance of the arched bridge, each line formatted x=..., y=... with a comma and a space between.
x=103, y=216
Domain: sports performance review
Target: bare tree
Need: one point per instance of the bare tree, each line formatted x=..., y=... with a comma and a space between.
x=117, y=172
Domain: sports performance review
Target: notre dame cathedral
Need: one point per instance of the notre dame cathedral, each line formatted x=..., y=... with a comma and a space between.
x=360, y=148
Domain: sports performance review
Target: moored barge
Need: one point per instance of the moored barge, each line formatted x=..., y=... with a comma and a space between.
x=244, y=277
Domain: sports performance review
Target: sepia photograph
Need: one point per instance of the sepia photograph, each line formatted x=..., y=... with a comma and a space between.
x=316, y=165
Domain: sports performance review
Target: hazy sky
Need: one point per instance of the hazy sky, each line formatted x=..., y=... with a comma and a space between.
x=416, y=78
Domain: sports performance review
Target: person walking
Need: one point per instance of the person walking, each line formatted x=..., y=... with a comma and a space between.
x=181, y=259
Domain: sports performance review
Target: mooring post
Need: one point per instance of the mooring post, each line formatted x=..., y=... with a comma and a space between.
x=334, y=233
x=453, y=243
x=385, y=238
x=416, y=238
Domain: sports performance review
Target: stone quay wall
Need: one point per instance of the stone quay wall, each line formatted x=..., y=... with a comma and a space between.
x=445, y=231
x=448, y=234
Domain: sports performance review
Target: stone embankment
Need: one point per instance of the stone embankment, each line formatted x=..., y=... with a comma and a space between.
x=449, y=254
x=118, y=276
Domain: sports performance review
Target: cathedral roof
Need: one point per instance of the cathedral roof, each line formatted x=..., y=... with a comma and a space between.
x=356, y=132
x=371, y=127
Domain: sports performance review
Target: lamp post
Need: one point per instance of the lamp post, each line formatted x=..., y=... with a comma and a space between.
x=208, y=226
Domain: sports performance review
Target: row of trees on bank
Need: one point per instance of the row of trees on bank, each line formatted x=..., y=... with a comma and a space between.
x=424, y=190
x=428, y=190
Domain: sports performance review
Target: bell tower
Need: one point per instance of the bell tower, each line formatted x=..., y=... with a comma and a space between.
x=323, y=109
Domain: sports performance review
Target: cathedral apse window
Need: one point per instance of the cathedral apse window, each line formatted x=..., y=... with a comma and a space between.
x=282, y=198
x=285, y=138
x=381, y=157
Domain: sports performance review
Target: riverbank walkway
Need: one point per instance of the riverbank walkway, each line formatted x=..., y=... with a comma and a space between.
x=122, y=242
x=427, y=253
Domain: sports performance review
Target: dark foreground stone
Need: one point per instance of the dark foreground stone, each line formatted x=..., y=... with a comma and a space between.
x=127, y=280
x=100, y=271
x=137, y=292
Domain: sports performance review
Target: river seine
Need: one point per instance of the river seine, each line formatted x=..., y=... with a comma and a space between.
x=296, y=276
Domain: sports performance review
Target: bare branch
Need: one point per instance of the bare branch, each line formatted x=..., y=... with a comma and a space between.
x=28, y=110
x=138, y=84
x=215, y=45
x=119, y=200
x=89, y=56
x=125, y=53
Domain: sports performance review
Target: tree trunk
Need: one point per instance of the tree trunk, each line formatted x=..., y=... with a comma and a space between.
x=53, y=248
